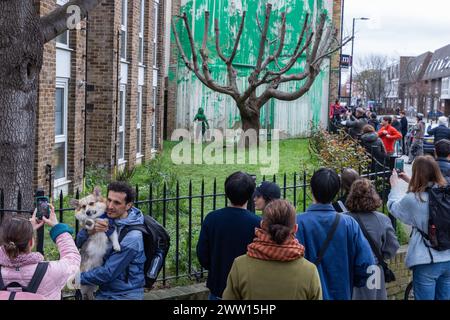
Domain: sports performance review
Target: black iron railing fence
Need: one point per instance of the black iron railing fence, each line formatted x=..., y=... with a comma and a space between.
x=183, y=214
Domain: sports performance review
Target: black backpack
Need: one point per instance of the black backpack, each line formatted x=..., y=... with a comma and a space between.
x=156, y=246
x=438, y=234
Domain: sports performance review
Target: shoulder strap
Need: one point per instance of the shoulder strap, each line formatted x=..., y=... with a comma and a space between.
x=373, y=245
x=38, y=275
x=342, y=206
x=127, y=229
x=330, y=235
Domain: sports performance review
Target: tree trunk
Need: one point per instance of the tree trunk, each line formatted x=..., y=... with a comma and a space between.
x=250, y=113
x=21, y=51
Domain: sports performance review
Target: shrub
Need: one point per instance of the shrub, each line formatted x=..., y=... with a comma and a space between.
x=337, y=151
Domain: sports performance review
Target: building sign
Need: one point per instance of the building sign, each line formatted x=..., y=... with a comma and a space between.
x=346, y=61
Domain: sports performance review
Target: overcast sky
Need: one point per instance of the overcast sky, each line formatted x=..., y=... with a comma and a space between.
x=398, y=27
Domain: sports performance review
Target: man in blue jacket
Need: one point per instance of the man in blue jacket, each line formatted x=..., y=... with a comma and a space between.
x=121, y=277
x=227, y=232
x=348, y=256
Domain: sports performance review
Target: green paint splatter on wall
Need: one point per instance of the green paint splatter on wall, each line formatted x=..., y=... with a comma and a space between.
x=219, y=108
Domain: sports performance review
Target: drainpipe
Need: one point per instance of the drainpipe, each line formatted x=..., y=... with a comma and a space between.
x=114, y=168
x=85, y=100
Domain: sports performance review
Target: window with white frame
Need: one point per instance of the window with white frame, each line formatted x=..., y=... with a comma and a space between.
x=121, y=123
x=62, y=40
x=60, y=148
x=123, y=30
x=445, y=90
x=154, y=118
x=141, y=33
x=138, y=123
x=155, y=32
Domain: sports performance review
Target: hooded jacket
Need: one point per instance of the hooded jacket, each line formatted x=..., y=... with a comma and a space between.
x=374, y=146
x=121, y=277
x=22, y=268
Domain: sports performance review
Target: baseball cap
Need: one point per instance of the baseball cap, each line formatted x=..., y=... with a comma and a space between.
x=268, y=190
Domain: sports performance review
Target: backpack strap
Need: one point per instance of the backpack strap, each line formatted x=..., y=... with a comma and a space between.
x=330, y=235
x=127, y=229
x=342, y=206
x=36, y=280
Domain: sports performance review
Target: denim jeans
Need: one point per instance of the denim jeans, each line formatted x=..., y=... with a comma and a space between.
x=432, y=281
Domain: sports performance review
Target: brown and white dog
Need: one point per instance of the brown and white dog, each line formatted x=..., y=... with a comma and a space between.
x=87, y=211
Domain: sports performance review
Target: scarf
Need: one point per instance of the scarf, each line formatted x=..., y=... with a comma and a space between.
x=20, y=260
x=264, y=248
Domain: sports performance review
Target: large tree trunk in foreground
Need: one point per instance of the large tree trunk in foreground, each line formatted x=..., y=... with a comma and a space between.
x=21, y=51
x=22, y=36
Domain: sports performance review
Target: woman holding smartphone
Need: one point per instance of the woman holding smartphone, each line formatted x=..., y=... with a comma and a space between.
x=18, y=263
x=431, y=268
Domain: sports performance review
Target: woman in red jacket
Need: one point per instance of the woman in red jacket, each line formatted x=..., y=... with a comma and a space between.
x=388, y=135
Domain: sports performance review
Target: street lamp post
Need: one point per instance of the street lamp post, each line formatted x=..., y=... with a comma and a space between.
x=353, y=60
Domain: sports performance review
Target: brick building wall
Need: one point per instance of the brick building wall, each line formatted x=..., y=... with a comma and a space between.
x=76, y=109
x=45, y=111
x=103, y=75
x=45, y=116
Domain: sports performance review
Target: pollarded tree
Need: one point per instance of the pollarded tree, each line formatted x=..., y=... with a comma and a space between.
x=312, y=45
x=23, y=34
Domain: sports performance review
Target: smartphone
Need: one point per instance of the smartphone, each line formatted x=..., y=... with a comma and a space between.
x=399, y=165
x=43, y=207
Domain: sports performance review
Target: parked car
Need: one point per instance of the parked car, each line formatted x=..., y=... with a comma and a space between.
x=428, y=141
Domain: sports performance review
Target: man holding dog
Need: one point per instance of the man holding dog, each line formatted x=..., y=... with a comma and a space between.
x=121, y=277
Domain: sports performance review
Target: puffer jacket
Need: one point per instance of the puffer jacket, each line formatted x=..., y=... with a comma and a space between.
x=22, y=268
x=374, y=146
x=121, y=277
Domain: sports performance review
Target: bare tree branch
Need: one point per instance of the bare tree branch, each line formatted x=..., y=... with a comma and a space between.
x=180, y=47
x=238, y=39
x=206, y=79
x=262, y=44
x=55, y=22
x=282, y=35
x=219, y=51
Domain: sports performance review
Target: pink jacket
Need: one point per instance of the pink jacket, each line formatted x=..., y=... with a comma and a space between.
x=22, y=268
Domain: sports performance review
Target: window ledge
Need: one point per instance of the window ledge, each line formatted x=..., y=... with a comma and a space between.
x=139, y=155
x=121, y=162
x=63, y=47
x=61, y=182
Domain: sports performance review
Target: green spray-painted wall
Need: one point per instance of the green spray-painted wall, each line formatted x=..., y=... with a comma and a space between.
x=290, y=117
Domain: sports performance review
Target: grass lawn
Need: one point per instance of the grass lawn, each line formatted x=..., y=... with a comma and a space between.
x=293, y=157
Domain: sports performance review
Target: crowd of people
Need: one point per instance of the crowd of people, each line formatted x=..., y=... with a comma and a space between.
x=336, y=250
x=330, y=251
x=387, y=136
